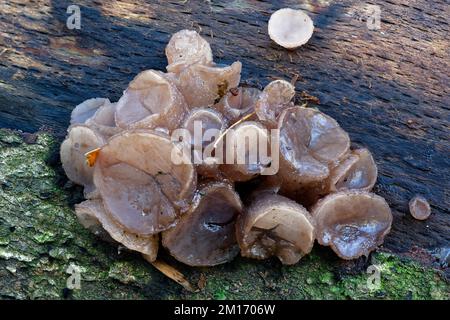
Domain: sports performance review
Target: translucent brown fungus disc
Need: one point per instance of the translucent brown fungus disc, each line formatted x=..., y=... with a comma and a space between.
x=187, y=47
x=275, y=97
x=94, y=210
x=140, y=184
x=238, y=102
x=204, y=86
x=352, y=222
x=86, y=110
x=205, y=126
x=290, y=28
x=199, y=121
x=357, y=171
x=309, y=142
x=419, y=208
x=275, y=226
x=151, y=100
x=80, y=140
x=248, y=151
x=205, y=236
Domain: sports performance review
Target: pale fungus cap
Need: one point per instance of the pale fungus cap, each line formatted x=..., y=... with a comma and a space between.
x=151, y=100
x=94, y=210
x=275, y=98
x=204, y=86
x=290, y=28
x=142, y=188
x=103, y=121
x=353, y=223
x=86, y=110
x=80, y=140
x=250, y=141
x=238, y=102
x=275, y=226
x=358, y=171
x=205, y=235
x=309, y=142
x=419, y=208
x=187, y=47
x=212, y=124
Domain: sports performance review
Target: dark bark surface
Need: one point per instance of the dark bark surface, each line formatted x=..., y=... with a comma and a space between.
x=388, y=88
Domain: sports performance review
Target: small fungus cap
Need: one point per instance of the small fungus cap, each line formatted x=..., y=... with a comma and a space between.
x=86, y=110
x=352, y=222
x=356, y=172
x=80, y=140
x=275, y=98
x=419, y=208
x=205, y=235
x=290, y=28
x=185, y=48
x=205, y=126
x=103, y=121
x=275, y=226
x=250, y=141
x=309, y=142
x=238, y=102
x=151, y=100
x=204, y=119
x=95, y=210
x=204, y=86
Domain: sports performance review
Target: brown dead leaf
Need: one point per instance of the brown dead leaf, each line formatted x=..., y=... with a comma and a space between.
x=173, y=274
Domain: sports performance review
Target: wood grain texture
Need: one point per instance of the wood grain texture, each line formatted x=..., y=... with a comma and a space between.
x=388, y=88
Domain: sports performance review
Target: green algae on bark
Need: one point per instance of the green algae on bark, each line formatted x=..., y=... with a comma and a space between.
x=40, y=238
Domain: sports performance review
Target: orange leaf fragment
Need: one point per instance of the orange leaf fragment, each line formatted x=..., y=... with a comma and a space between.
x=91, y=157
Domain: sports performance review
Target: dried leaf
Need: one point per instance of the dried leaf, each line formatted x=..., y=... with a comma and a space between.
x=91, y=157
x=173, y=274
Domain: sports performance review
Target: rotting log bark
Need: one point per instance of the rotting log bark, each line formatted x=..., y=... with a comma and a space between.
x=42, y=245
x=388, y=88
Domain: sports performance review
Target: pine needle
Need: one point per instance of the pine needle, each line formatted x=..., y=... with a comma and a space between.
x=233, y=125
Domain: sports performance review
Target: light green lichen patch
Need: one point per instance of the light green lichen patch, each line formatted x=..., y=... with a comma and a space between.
x=42, y=243
x=130, y=272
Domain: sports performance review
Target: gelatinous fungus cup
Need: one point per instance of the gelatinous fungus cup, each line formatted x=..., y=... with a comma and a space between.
x=290, y=28
x=419, y=208
x=352, y=222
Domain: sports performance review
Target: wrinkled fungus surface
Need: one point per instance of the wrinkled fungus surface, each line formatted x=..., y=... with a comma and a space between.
x=275, y=226
x=310, y=143
x=151, y=100
x=205, y=236
x=357, y=171
x=141, y=191
x=140, y=173
x=275, y=97
x=353, y=223
x=94, y=216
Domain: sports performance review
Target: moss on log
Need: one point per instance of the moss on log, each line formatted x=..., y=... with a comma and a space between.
x=40, y=238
